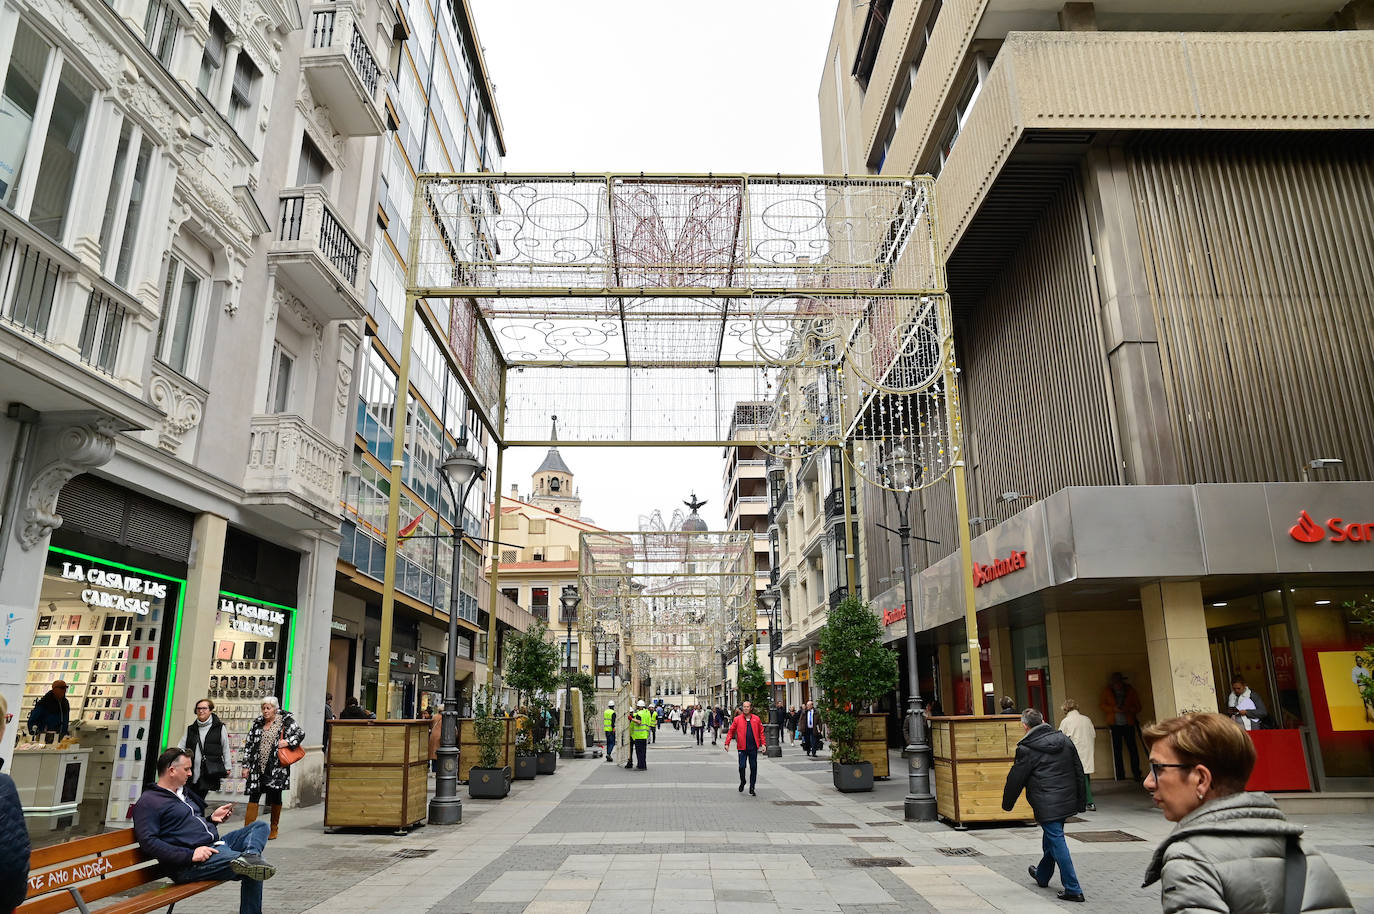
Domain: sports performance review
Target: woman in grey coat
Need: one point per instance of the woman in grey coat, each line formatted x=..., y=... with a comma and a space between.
x=1232, y=851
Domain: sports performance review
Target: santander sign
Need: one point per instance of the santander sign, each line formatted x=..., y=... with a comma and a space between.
x=1306, y=530
x=986, y=574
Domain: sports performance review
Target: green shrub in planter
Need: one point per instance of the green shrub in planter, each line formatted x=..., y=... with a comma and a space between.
x=855, y=670
x=488, y=778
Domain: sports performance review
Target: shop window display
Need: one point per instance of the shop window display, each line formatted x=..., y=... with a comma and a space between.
x=100, y=629
x=249, y=661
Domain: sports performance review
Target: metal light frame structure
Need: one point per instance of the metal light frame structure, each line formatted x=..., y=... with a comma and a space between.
x=641, y=308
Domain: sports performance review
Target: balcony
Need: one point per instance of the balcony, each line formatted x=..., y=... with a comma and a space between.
x=834, y=504
x=294, y=473
x=342, y=71
x=318, y=255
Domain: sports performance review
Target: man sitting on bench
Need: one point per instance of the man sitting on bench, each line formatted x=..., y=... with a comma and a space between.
x=171, y=825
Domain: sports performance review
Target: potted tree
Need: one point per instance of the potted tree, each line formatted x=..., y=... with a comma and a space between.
x=855, y=670
x=526, y=766
x=531, y=665
x=488, y=779
x=546, y=745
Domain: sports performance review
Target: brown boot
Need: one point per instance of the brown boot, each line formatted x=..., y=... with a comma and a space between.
x=250, y=814
x=276, y=820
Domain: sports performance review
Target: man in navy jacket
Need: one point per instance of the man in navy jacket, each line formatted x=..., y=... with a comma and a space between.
x=171, y=825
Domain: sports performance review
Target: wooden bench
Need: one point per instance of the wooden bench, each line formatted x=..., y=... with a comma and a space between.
x=74, y=874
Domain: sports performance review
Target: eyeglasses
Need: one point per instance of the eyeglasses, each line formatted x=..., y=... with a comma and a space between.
x=1157, y=767
x=203, y=708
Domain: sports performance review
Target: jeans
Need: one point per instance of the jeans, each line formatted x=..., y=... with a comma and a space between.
x=251, y=839
x=700, y=734
x=1054, y=849
x=751, y=758
x=610, y=743
x=1125, y=735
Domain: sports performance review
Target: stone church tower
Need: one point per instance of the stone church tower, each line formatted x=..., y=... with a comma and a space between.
x=553, y=483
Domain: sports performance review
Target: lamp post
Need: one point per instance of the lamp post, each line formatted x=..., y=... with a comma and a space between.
x=568, y=600
x=902, y=473
x=769, y=599
x=460, y=470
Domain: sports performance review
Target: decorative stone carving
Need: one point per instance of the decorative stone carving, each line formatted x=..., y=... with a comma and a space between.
x=183, y=404
x=74, y=449
x=321, y=127
x=344, y=379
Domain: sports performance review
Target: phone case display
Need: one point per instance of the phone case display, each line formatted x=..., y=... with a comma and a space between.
x=238, y=686
x=140, y=685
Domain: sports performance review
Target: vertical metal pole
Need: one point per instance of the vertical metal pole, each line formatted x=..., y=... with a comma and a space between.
x=919, y=803
x=495, y=534
x=446, y=808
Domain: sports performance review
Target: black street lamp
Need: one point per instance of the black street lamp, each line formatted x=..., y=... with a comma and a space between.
x=769, y=599
x=460, y=470
x=569, y=600
x=902, y=472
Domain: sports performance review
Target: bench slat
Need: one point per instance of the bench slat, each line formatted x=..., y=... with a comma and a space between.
x=56, y=902
x=82, y=847
x=158, y=898
x=58, y=879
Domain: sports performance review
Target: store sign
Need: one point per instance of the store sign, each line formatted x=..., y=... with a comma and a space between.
x=894, y=615
x=1306, y=530
x=789, y=674
x=113, y=590
x=338, y=625
x=986, y=574
x=252, y=618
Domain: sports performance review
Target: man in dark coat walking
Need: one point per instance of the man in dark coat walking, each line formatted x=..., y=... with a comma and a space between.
x=1048, y=769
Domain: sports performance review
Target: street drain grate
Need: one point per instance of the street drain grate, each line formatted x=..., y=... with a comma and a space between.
x=869, y=839
x=411, y=853
x=886, y=824
x=834, y=825
x=1104, y=837
x=868, y=862
x=795, y=803
x=960, y=851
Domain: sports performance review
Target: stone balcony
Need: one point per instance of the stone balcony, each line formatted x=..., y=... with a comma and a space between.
x=294, y=473
x=318, y=255
x=343, y=73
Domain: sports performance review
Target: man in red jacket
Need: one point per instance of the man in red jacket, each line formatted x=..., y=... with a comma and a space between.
x=747, y=732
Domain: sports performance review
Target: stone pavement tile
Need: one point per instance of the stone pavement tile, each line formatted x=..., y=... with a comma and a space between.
x=560, y=883
x=747, y=907
x=694, y=906
x=561, y=906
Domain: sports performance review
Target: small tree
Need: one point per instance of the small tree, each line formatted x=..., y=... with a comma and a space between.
x=489, y=727
x=531, y=663
x=1363, y=612
x=855, y=671
x=753, y=685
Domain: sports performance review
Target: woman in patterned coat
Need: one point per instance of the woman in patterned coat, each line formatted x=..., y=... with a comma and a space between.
x=273, y=730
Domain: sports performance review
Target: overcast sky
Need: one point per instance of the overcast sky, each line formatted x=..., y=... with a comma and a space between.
x=648, y=85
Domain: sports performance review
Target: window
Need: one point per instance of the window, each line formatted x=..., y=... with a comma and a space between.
x=180, y=299
x=963, y=108
x=279, y=382
x=212, y=59
x=539, y=603
x=23, y=80
x=160, y=30
x=538, y=526
x=313, y=167
x=241, y=97
x=124, y=203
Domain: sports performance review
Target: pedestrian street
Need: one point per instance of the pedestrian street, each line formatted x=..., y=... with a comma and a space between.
x=680, y=838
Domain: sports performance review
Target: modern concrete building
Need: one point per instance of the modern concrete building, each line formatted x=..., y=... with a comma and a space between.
x=188, y=207
x=443, y=118
x=1155, y=221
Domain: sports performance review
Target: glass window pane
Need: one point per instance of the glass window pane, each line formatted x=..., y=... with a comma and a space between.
x=61, y=153
x=137, y=189
x=1334, y=658
x=182, y=321
x=116, y=189
x=19, y=103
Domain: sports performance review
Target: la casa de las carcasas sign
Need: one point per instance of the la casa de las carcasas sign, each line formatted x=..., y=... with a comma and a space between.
x=1306, y=530
x=986, y=574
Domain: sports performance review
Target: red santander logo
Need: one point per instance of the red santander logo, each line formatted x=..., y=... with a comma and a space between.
x=986, y=574
x=1306, y=530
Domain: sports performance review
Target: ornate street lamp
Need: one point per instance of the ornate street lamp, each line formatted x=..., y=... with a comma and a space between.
x=460, y=471
x=569, y=600
x=901, y=473
x=769, y=599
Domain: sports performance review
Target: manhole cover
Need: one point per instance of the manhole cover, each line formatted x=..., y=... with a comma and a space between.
x=960, y=851
x=834, y=825
x=1104, y=837
x=877, y=861
x=795, y=803
x=869, y=839
x=410, y=853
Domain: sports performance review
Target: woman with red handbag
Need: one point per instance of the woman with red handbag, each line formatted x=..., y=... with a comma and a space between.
x=272, y=747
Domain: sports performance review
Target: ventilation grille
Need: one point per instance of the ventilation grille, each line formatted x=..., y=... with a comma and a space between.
x=411, y=853
x=959, y=851
x=89, y=504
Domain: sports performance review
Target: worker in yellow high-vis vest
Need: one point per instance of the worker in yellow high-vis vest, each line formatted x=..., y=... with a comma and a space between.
x=640, y=722
x=609, y=717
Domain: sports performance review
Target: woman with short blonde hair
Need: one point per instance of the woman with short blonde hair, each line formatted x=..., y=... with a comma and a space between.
x=1232, y=850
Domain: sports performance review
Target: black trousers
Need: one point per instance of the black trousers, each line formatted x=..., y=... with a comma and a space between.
x=1125, y=735
x=273, y=796
x=749, y=757
x=641, y=753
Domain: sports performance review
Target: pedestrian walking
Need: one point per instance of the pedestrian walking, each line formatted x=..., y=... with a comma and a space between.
x=1121, y=704
x=608, y=727
x=747, y=732
x=1083, y=735
x=699, y=725
x=717, y=721
x=1232, y=851
x=811, y=729
x=265, y=770
x=1048, y=770
x=207, y=743
x=791, y=723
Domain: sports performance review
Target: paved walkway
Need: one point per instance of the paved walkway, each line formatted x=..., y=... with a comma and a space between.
x=680, y=839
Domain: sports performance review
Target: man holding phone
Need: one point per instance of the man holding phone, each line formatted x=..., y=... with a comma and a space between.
x=171, y=825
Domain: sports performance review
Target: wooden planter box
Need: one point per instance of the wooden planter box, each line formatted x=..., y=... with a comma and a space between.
x=469, y=751
x=872, y=738
x=377, y=773
x=972, y=758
